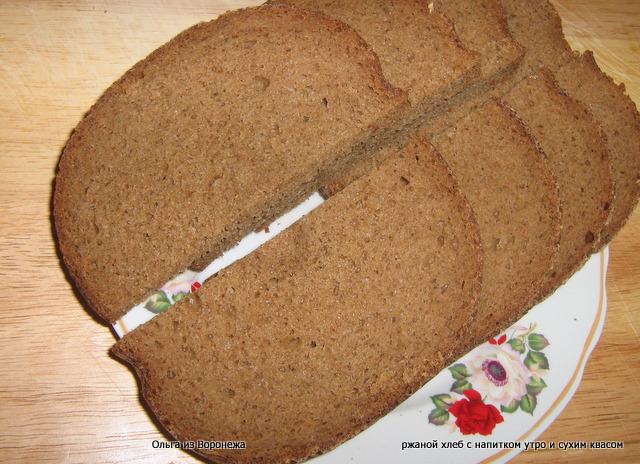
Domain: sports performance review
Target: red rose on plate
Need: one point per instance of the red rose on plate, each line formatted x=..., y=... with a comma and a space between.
x=474, y=416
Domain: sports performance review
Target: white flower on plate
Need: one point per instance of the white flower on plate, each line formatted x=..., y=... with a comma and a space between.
x=182, y=283
x=498, y=373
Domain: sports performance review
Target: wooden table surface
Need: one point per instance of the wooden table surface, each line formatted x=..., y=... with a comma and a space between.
x=62, y=398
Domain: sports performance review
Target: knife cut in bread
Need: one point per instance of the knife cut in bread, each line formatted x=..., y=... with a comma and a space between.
x=421, y=52
x=482, y=27
x=618, y=117
x=229, y=124
x=515, y=198
x=325, y=328
x=579, y=157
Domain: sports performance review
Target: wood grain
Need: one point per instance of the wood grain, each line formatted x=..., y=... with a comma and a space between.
x=63, y=399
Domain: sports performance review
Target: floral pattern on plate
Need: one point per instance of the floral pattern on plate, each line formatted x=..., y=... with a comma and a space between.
x=173, y=291
x=504, y=375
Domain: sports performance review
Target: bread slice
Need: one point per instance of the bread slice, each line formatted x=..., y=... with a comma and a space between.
x=536, y=25
x=231, y=123
x=482, y=27
x=418, y=49
x=421, y=53
x=618, y=116
x=514, y=195
x=579, y=157
x=324, y=329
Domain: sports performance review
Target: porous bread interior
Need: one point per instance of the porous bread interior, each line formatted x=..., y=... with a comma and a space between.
x=162, y=142
x=320, y=331
x=579, y=157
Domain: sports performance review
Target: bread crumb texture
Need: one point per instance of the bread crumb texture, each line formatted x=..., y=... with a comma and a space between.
x=231, y=122
x=325, y=328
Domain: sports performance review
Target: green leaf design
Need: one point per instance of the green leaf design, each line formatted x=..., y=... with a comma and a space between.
x=511, y=407
x=443, y=400
x=459, y=371
x=438, y=416
x=528, y=403
x=179, y=296
x=157, y=303
x=459, y=386
x=534, y=387
x=517, y=344
x=538, y=342
x=536, y=358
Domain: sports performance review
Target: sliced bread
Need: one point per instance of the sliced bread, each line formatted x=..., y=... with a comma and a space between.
x=482, y=27
x=418, y=49
x=514, y=195
x=324, y=329
x=536, y=25
x=229, y=124
x=618, y=116
x=444, y=75
x=579, y=157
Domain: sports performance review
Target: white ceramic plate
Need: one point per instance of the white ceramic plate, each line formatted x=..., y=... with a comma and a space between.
x=526, y=375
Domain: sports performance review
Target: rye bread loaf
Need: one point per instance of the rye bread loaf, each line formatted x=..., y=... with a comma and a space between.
x=514, y=195
x=618, y=117
x=324, y=329
x=229, y=124
x=579, y=157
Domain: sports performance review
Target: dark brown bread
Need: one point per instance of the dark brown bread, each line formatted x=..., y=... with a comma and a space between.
x=536, y=25
x=418, y=49
x=514, y=195
x=324, y=329
x=578, y=155
x=618, y=116
x=421, y=53
x=229, y=124
x=482, y=27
